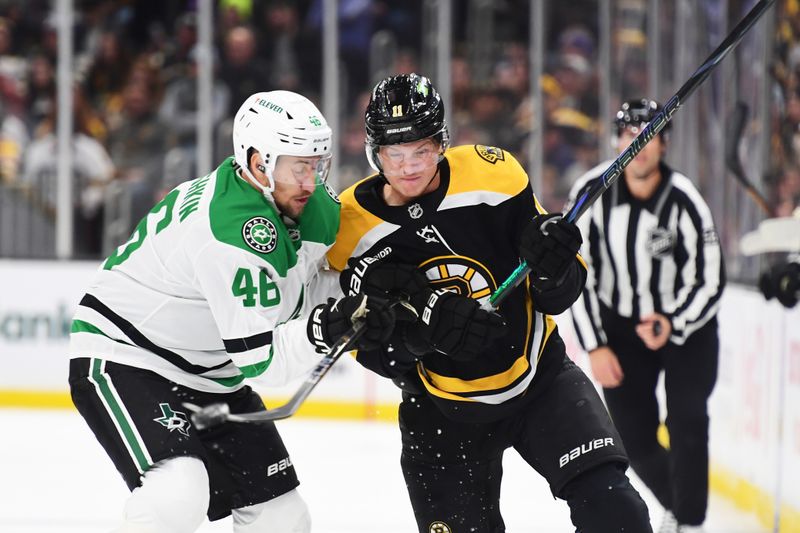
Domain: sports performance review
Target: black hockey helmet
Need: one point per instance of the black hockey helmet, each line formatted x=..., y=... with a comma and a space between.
x=403, y=109
x=638, y=112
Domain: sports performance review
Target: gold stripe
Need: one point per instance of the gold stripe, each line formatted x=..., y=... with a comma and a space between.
x=39, y=399
x=468, y=276
x=444, y=386
x=424, y=377
x=475, y=174
x=354, y=223
x=349, y=410
x=486, y=383
x=753, y=500
x=550, y=326
x=539, y=207
x=443, y=274
x=460, y=258
x=481, y=293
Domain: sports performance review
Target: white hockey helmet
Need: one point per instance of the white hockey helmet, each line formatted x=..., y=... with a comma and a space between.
x=280, y=123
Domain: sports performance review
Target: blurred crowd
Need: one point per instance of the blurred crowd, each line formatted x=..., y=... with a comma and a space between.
x=135, y=94
x=783, y=178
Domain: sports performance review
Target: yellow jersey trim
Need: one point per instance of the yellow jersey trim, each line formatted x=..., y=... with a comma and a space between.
x=355, y=222
x=469, y=172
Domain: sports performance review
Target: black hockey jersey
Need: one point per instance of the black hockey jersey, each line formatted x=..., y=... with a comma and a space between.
x=464, y=236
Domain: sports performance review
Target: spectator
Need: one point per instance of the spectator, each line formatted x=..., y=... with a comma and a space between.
x=12, y=66
x=92, y=170
x=283, y=45
x=177, y=56
x=108, y=72
x=242, y=71
x=13, y=139
x=136, y=143
x=41, y=93
x=179, y=111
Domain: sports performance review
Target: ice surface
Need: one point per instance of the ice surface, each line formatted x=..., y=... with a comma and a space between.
x=57, y=479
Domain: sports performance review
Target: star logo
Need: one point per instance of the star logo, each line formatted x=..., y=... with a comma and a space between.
x=260, y=234
x=173, y=420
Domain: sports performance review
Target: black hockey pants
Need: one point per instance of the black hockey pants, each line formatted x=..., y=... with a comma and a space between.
x=678, y=477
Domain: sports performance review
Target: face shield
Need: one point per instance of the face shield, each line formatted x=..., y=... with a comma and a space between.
x=302, y=171
x=410, y=158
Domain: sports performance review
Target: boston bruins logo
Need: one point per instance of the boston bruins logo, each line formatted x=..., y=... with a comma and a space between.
x=490, y=153
x=439, y=527
x=461, y=275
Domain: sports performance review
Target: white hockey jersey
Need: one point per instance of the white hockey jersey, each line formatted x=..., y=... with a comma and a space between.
x=213, y=287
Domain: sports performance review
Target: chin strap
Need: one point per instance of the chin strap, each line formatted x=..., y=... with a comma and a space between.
x=246, y=175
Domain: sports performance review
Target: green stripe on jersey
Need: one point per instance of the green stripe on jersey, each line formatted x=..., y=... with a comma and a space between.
x=229, y=382
x=130, y=436
x=81, y=326
x=257, y=369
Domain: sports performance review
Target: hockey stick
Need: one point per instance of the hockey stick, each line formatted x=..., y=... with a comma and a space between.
x=217, y=413
x=734, y=162
x=609, y=177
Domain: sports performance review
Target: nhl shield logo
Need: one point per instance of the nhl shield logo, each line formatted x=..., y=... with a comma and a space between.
x=260, y=234
x=415, y=211
x=660, y=242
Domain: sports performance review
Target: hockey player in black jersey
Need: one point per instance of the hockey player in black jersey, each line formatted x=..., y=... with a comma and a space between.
x=443, y=226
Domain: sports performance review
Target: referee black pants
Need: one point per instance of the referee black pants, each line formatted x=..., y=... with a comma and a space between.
x=678, y=477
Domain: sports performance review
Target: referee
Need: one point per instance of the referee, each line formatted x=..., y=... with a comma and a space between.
x=650, y=302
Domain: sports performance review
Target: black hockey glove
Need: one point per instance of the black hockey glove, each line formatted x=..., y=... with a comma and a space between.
x=454, y=325
x=377, y=277
x=331, y=320
x=782, y=281
x=550, y=254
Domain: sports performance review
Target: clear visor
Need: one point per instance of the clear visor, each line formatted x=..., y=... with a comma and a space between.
x=296, y=170
x=398, y=159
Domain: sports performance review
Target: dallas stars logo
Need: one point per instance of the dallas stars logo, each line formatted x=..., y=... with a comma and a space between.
x=260, y=234
x=173, y=420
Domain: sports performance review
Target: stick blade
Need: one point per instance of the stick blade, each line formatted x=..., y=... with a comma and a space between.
x=209, y=416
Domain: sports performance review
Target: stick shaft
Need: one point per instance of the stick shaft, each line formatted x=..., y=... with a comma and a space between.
x=217, y=413
x=584, y=201
x=342, y=345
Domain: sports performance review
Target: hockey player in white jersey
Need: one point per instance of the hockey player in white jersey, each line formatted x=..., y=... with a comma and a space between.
x=216, y=285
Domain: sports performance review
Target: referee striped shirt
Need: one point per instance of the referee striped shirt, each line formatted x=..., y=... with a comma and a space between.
x=658, y=255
